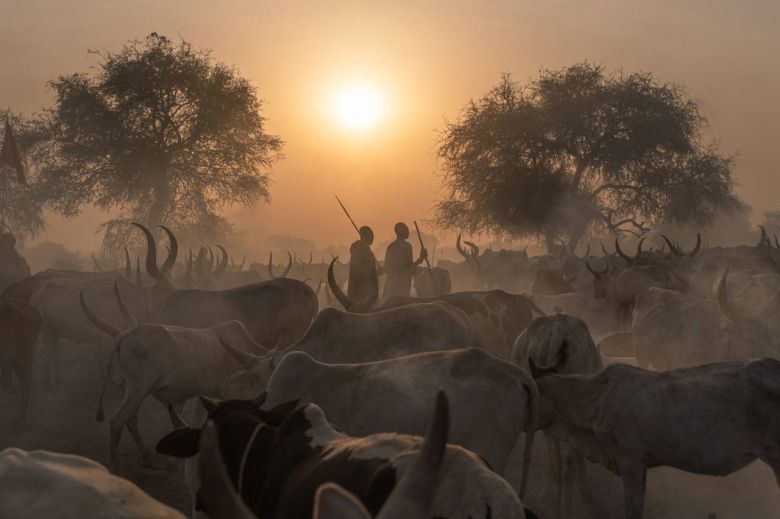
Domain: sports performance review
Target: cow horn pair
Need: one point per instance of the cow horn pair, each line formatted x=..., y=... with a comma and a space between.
x=103, y=324
x=594, y=272
x=625, y=256
x=238, y=267
x=160, y=275
x=721, y=295
x=271, y=265
x=411, y=498
x=677, y=251
x=470, y=257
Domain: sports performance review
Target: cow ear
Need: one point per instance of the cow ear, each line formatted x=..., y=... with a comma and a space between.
x=279, y=414
x=333, y=502
x=181, y=443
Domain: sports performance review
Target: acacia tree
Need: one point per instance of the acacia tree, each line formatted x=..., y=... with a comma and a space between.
x=160, y=131
x=578, y=149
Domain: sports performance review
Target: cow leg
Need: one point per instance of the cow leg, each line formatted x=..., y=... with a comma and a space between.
x=129, y=409
x=554, y=484
x=634, y=483
x=24, y=375
x=51, y=375
x=132, y=426
x=567, y=483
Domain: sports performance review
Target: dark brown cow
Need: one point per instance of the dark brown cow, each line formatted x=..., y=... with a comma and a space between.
x=19, y=327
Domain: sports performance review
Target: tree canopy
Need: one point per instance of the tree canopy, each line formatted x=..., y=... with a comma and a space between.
x=579, y=149
x=161, y=131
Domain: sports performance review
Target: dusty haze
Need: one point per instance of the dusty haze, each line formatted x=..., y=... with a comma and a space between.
x=428, y=61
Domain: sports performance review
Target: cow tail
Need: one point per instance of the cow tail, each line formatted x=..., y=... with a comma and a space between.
x=99, y=415
x=531, y=424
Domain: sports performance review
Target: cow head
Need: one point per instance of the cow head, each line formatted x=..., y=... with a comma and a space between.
x=257, y=368
x=600, y=280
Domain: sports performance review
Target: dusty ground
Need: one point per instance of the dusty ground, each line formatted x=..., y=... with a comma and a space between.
x=65, y=422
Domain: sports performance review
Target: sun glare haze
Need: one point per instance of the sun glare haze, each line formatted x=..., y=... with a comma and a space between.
x=358, y=106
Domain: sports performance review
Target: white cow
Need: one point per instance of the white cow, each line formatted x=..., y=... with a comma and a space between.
x=171, y=363
x=42, y=484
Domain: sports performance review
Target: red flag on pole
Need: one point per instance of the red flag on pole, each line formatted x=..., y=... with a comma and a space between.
x=10, y=154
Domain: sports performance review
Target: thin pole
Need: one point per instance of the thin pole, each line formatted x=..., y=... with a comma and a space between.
x=348, y=216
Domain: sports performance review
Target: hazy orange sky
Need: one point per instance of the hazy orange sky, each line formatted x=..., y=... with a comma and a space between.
x=427, y=60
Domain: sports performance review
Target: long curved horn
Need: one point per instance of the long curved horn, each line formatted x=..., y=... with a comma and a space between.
x=764, y=238
x=459, y=248
x=243, y=262
x=151, y=258
x=271, y=265
x=319, y=286
x=595, y=273
x=132, y=322
x=289, y=265
x=623, y=255
x=311, y=257
x=138, y=270
x=244, y=358
x=173, y=251
x=697, y=247
x=99, y=322
x=177, y=420
x=222, y=264
x=128, y=265
x=721, y=295
x=336, y=290
x=211, y=260
x=474, y=248
x=672, y=247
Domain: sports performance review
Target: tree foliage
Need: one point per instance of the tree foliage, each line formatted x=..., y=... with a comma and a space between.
x=577, y=149
x=160, y=131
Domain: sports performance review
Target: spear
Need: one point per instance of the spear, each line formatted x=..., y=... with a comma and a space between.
x=428, y=263
x=348, y=216
x=422, y=246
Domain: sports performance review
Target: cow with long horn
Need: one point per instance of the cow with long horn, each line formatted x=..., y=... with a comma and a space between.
x=271, y=266
x=183, y=363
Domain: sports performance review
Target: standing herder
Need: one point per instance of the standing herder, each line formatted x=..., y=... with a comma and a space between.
x=400, y=265
x=363, y=287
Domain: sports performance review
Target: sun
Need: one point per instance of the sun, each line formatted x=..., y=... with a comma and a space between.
x=358, y=106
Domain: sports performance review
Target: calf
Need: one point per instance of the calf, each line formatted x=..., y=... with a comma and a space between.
x=559, y=344
x=171, y=363
x=713, y=419
x=277, y=459
x=493, y=400
x=19, y=324
x=39, y=484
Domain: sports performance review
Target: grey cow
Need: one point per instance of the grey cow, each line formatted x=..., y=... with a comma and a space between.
x=713, y=419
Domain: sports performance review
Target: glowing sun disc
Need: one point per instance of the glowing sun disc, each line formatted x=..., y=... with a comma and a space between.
x=358, y=106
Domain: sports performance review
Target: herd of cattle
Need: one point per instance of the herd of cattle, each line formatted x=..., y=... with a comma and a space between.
x=410, y=408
